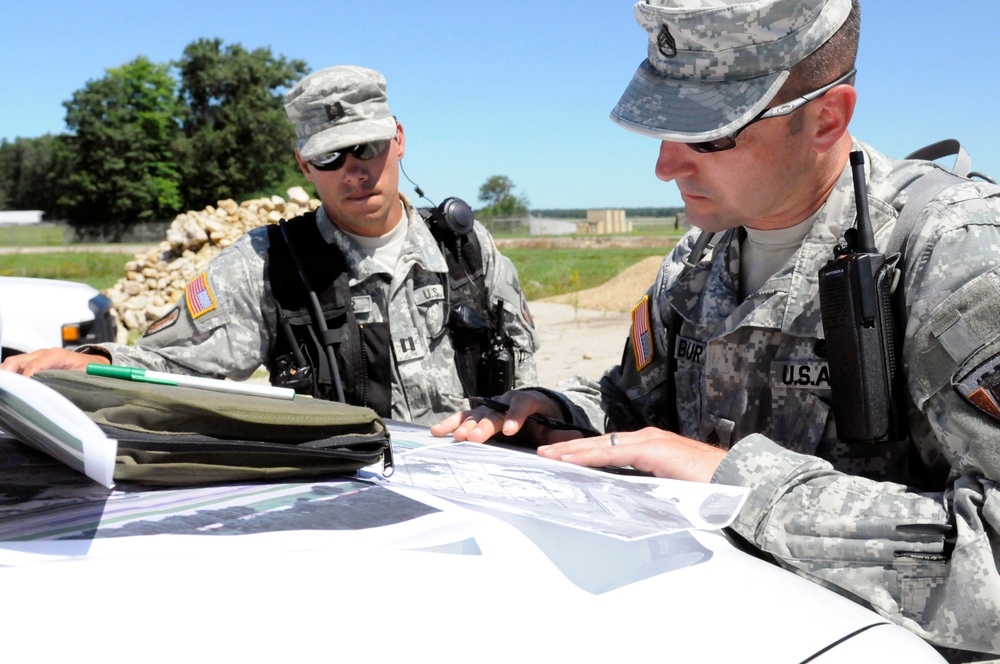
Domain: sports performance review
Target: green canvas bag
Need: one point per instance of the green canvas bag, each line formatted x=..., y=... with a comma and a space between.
x=169, y=435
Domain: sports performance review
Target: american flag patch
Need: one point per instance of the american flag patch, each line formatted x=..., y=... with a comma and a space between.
x=642, y=340
x=199, y=296
x=525, y=313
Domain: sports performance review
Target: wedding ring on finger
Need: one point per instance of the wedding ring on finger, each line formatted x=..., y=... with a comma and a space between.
x=614, y=440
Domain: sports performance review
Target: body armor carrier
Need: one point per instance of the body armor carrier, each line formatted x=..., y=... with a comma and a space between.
x=316, y=320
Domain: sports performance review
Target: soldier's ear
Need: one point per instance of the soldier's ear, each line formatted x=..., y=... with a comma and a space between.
x=832, y=114
x=400, y=141
x=303, y=165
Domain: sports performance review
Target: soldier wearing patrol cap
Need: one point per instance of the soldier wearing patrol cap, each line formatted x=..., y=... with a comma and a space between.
x=389, y=311
x=725, y=375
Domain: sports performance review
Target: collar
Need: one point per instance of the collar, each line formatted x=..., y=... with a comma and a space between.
x=707, y=295
x=419, y=247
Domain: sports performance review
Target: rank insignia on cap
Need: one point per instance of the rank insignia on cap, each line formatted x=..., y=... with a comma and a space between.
x=665, y=42
x=334, y=111
x=642, y=340
x=199, y=296
x=981, y=387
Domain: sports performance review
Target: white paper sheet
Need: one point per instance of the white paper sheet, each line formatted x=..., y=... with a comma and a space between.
x=620, y=506
x=46, y=420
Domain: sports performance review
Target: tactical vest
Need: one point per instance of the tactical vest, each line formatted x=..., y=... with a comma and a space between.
x=362, y=350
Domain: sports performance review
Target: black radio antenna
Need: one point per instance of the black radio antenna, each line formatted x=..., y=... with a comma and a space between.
x=866, y=236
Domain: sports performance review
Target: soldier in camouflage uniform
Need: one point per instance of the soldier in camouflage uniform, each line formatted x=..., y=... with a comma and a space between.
x=226, y=325
x=725, y=377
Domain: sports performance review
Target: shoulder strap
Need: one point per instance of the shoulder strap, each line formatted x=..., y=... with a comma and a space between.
x=927, y=187
x=922, y=192
x=308, y=260
x=469, y=312
x=292, y=235
x=946, y=148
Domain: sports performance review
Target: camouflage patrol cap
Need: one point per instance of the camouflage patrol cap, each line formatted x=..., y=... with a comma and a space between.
x=339, y=107
x=715, y=64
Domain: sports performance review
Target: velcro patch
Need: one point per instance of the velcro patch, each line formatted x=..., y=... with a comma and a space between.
x=805, y=375
x=428, y=294
x=642, y=339
x=689, y=350
x=199, y=296
x=408, y=345
x=981, y=387
x=164, y=322
x=362, y=304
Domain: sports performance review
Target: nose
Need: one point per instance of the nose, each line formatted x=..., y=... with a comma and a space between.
x=673, y=161
x=355, y=168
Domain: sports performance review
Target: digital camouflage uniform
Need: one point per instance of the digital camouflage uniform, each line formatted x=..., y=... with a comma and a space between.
x=751, y=377
x=232, y=332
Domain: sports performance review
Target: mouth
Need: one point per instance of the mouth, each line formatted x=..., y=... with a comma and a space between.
x=360, y=195
x=688, y=196
x=689, y=191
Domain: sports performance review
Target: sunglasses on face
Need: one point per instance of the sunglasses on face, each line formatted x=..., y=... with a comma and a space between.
x=334, y=161
x=729, y=142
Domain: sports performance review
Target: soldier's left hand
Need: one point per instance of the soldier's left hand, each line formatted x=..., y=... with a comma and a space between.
x=649, y=450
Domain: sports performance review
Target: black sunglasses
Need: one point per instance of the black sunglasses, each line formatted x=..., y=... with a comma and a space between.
x=334, y=161
x=789, y=107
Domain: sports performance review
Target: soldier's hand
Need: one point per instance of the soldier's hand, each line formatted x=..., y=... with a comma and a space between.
x=50, y=358
x=480, y=424
x=650, y=450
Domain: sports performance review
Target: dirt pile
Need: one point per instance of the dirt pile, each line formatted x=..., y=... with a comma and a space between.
x=154, y=280
x=617, y=294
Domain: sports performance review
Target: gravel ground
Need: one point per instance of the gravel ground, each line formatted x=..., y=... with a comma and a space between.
x=584, y=333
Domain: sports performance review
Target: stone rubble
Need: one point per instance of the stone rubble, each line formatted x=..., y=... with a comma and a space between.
x=154, y=281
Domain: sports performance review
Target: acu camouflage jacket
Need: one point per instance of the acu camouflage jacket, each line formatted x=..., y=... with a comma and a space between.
x=751, y=377
x=226, y=327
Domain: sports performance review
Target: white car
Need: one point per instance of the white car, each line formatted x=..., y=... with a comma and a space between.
x=43, y=313
x=463, y=554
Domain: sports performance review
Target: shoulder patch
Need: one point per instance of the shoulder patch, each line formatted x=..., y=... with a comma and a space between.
x=164, y=322
x=199, y=296
x=981, y=387
x=642, y=339
x=525, y=313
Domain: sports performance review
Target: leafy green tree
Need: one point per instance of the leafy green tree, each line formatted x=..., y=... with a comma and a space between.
x=498, y=195
x=123, y=127
x=31, y=171
x=236, y=139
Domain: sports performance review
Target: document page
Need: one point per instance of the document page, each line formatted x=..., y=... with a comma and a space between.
x=39, y=416
x=621, y=506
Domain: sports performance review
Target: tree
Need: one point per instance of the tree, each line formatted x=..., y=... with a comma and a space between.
x=498, y=194
x=123, y=127
x=236, y=139
x=32, y=170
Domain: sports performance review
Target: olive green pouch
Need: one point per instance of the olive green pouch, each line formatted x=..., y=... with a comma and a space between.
x=178, y=436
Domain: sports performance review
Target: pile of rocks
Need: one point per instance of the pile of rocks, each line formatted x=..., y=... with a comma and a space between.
x=155, y=280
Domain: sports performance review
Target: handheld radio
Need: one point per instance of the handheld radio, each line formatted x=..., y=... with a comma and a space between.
x=855, y=290
x=496, y=364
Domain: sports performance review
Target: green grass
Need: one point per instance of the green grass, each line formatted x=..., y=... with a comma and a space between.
x=549, y=272
x=97, y=269
x=543, y=272
x=31, y=235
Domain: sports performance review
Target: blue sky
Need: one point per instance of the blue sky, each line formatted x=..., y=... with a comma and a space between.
x=517, y=88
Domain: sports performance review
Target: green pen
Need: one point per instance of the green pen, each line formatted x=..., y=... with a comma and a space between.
x=161, y=378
